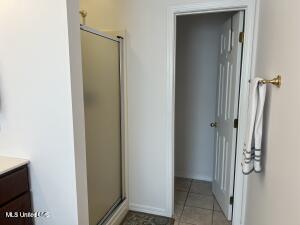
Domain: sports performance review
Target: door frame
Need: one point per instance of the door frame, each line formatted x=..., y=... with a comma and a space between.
x=251, y=8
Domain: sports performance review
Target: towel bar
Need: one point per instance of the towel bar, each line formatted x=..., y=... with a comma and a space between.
x=276, y=81
x=83, y=14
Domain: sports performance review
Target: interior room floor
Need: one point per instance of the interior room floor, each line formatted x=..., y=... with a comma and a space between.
x=138, y=218
x=195, y=204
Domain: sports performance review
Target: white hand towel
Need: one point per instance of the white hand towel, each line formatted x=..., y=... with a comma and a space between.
x=259, y=127
x=252, y=145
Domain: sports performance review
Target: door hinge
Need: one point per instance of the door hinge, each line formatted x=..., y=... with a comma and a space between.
x=231, y=200
x=235, y=123
x=241, y=37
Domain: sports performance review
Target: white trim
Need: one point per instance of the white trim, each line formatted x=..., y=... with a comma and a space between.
x=242, y=190
x=251, y=16
x=147, y=209
x=125, y=111
x=119, y=214
x=124, y=94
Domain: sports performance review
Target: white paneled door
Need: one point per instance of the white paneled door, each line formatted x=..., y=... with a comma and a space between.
x=227, y=111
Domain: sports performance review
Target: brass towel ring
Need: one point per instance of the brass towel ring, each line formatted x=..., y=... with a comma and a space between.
x=276, y=81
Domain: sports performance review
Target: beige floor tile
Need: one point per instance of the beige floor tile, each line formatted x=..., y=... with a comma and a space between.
x=184, y=224
x=201, y=187
x=180, y=197
x=196, y=216
x=178, y=209
x=182, y=184
x=220, y=219
x=217, y=206
x=201, y=201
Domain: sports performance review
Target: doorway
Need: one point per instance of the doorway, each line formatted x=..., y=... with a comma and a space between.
x=207, y=89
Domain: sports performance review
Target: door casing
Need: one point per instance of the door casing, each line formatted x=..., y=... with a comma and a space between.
x=251, y=8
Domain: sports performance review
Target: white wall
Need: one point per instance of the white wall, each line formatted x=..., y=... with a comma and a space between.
x=78, y=110
x=104, y=15
x=197, y=56
x=146, y=26
x=36, y=103
x=146, y=52
x=273, y=196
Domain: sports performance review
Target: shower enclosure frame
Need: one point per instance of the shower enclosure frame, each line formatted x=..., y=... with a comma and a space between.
x=120, y=41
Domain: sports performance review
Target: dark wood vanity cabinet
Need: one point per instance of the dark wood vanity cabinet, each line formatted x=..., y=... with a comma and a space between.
x=15, y=198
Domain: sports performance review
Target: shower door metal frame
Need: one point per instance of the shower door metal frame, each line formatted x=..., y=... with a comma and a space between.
x=120, y=42
x=100, y=33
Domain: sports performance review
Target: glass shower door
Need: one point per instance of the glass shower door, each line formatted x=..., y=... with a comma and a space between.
x=102, y=105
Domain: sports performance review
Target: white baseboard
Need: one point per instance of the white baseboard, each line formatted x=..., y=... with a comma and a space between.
x=148, y=209
x=119, y=215
x=193, y=176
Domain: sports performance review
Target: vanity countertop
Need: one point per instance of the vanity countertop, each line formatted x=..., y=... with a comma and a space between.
x=9, y=163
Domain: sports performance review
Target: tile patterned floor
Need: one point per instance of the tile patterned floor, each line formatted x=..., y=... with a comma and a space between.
x=195, y=204
x=138, y=218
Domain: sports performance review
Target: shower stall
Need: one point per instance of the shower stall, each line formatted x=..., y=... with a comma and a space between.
x=103, y=106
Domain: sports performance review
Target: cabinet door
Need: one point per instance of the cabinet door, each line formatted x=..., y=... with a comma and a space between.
x=13, y=184
x=20, y=205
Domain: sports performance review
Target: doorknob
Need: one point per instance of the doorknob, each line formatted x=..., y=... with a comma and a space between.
x=213, y=124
